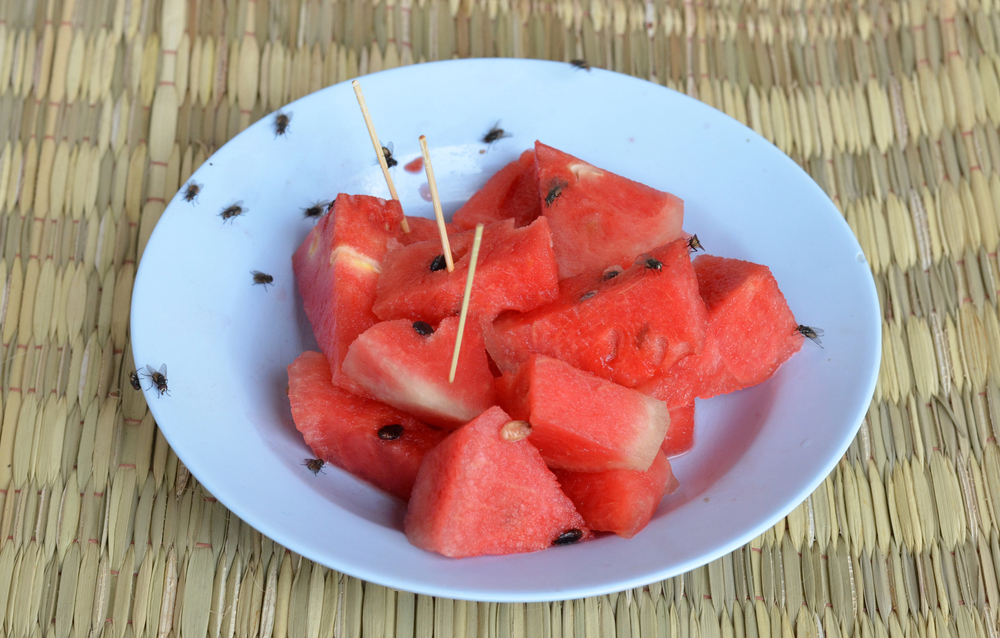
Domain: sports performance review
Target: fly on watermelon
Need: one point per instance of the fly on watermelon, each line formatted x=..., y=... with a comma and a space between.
x=650, y=263
x=555, y=191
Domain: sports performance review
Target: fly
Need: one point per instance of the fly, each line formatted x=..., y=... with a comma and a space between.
x=390, y=161
x=191, y=191
x=314, y=465
x=234, y=210
x=133, y=378
x=555, y=191
x=495, y=134
x=316, y=210
x=580, y=64
x=694, y=245
x=813, y=334
x=651, y=263
x=262, y=279
x=158, y=379
x=281, y=122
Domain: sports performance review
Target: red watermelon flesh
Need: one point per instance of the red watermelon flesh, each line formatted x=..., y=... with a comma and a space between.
x=511, y=193
x=581, y=422
x=516, y=270
x=600, y=219
x=680, y=434
x=342, y=429
x=619, y=501
x=751, y=331
x=337, y=270
x=397, y=365
x=424, y=229
x=477, y=494
x=627, y=328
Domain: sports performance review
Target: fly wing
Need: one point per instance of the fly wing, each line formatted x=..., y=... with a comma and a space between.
x=163, y=370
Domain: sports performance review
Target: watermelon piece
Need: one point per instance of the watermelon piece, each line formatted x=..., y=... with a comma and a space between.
x=424, y=229
x=343, y=429
x=511, y=193
x=619, y=501
x=600, y=219
x=751, y=331
x=398, y=365
x=581, y=422
x=680, y=434
x=626, y=328
x=516, y=270
x=477, y=494
x=337, y=269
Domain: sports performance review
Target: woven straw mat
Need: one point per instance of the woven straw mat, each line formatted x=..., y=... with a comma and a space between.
x=108, y=105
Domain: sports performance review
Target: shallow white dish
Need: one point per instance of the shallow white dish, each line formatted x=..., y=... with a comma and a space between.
x=226, y=342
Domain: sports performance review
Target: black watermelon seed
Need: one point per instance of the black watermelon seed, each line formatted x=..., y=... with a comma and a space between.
x=611, y=273
x=568, y=537
x=438, y=263
x=390, y=432
x=423, y=328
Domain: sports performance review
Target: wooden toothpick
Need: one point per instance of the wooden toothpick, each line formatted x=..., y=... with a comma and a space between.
x=378, y=147
x=465, y=300
x=438, y=213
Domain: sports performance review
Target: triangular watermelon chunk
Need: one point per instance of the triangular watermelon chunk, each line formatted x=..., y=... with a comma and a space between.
x=751, y=331
x=337, y=270
x=516, y=270
x=581, y=422
x=619, y=501
x=511, y=193
x=600, y=219
x=626, y=328
x=375, y=442
x=405, y=364
x=477, y=493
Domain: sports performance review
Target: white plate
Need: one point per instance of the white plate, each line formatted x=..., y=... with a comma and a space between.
x=226, y=342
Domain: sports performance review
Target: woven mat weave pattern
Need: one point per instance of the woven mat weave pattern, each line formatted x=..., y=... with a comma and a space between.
x=109, y=105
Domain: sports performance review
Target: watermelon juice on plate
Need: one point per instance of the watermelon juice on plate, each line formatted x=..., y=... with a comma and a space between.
x=227, y=342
